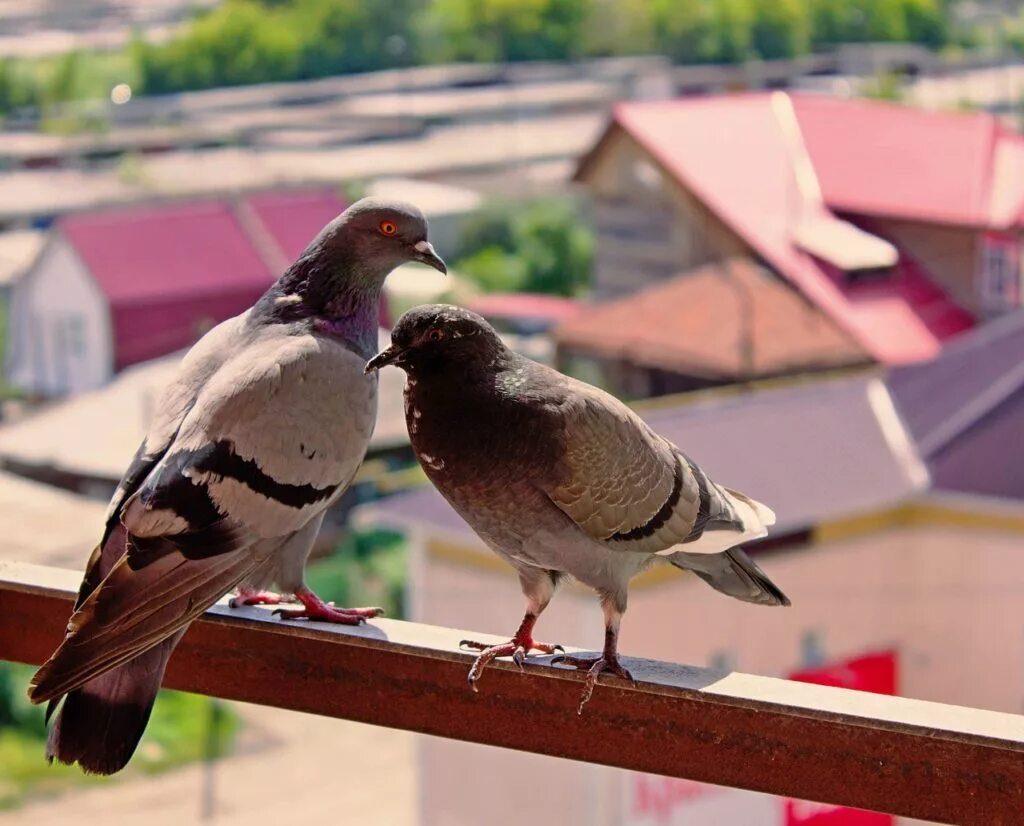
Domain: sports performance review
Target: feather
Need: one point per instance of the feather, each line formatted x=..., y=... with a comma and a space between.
x=732, y=573
x=134, y=610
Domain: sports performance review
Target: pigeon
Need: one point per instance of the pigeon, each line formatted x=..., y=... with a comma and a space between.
x=262, y=429
x=562, y=479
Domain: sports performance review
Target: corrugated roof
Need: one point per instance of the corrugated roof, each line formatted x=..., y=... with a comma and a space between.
x=879, y=158
x=706, y=322
x=160, y=253
x=813, y=452
x=975, y=373
x=170, y=270
x=735, y=154
x=45, y=525
x=292, y=218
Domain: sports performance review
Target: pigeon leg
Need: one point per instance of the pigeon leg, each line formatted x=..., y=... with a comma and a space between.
x=519, y=647
x=315, y=608
x=250, y=596
x=606, y=663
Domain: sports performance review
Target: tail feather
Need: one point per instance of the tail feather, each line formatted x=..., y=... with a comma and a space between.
x=733, y=573
x=99, y=724
x=133, y=611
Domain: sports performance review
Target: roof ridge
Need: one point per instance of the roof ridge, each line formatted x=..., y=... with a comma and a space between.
x=262, y=239
x=973, y=411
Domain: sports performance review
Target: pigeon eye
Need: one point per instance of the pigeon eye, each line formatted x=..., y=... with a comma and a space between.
x=388, y=227
x=435, y=335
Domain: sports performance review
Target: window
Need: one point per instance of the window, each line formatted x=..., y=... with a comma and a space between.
x=74, y=333
x=999, y=273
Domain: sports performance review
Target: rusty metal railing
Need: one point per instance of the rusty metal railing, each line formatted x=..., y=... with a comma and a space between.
x=891, y=754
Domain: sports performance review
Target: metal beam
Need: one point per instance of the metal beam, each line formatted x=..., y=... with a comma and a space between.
x=891, y=754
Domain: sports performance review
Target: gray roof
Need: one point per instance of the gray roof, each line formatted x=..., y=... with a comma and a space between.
x=974, y=373
x=813, y=452
x=965, y=408
x=45, y=525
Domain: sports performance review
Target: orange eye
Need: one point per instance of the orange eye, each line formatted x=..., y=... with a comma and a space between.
x=435, y=335
x=388, y=227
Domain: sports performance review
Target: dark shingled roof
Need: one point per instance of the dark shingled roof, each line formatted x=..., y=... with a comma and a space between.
x=965, y=409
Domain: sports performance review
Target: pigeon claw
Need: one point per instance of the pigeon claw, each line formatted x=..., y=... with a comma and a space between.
x=247, y=597
x=595, y=667
x=314, y=608
x=518, y=649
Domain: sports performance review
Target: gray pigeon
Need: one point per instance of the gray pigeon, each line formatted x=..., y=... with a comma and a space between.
x=560, y=478
x=262, y=430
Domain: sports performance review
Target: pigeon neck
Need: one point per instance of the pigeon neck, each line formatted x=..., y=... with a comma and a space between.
x=340, y=297
x=352, y=317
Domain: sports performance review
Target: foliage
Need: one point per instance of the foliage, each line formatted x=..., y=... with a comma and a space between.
x=178, y=732
x=536, y=247
x=886, y=86
x=248, y=41
x=499, y=30
x=257, y=41
x=781, y=29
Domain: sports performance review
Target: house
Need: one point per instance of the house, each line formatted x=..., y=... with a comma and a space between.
x=727, y=321
x=117, y=287
x=902, y=226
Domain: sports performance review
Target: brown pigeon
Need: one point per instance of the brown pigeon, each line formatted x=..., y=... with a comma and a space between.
x=560, y=478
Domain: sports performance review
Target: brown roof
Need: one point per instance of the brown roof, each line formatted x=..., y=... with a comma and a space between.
x=702, y=322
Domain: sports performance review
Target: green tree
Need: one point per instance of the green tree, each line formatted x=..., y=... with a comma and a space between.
x=926, y=22
x=17, y=87
x=63, y=83
x=884, y=20
x=538, y=247
x=734, y=29
x=499, y=30
x=781, y=29
x=831, y=21
x=685, y=30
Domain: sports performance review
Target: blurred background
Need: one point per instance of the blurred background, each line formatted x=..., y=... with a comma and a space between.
x=789, y=232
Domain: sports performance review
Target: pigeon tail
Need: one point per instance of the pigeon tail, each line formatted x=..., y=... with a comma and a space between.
x=99, y=725
x=733, y=573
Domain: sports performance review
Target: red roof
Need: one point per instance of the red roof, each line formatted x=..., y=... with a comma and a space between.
x=164, y=252
x=737, y=154
x=724, y=320
x=525, y=306
x=294, y=218
x=168, y=271
x=890, y=160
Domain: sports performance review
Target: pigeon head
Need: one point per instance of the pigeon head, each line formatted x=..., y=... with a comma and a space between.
x=376, y=235
x=439, y=334
x=344, y=267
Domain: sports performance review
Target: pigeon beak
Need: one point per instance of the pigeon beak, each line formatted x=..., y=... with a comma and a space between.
x=425, y=254
x=383, y=359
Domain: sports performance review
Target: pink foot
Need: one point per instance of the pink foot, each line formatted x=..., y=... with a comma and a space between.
x=519, y=648
x=247, y=597
x=315, y=608
x=608, y=663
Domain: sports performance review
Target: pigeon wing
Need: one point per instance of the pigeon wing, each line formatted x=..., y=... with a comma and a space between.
x=632, y=490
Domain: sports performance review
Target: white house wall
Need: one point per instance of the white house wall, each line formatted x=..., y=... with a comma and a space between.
x=60, y=341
